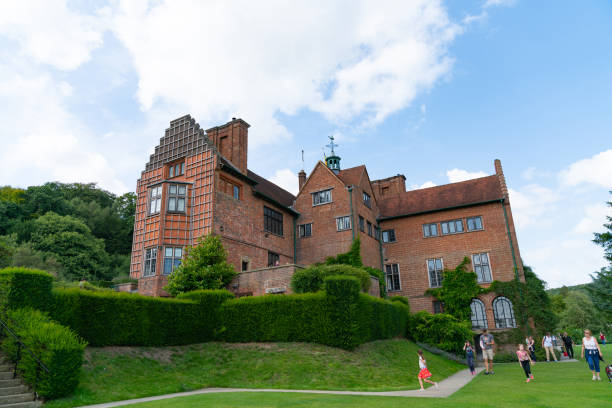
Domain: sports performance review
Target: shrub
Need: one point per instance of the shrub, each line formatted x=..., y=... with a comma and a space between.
x=505, y=357
x=402, y=299
x=440, y=330
x=311, y=279
x=59, y=349
x=23, y=287
x=123, y=319
x=378, y=274
x=210, y=301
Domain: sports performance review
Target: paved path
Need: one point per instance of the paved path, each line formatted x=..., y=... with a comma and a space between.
x=447, y=387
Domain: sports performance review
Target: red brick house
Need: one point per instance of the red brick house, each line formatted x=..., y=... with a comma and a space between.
x=197, y=182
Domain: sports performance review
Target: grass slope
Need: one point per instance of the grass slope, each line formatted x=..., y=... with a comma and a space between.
x=111, y=374
x=556, y=385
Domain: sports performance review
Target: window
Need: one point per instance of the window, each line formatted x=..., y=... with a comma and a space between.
x=479, y=317
x=321, y=197
x=393, y=277
x=171, y=172
x=305, y=230
x=384, y=191
x=236, y=192
x=434, y=267
x=376, y=232
x=150, y=261
x=176, y=197
x=273, y=259
x=273, y=221
x=388, y=235
x=474, y=223
x=155, y=195
x=451, y=227
x=503, y=313
x=369, y=228
x=343, y=223
x=482, y=267
x=438, y=307
x=361, y=224
x=366, y=200
x=172, y=259
x=176, y=169
x=244, y=266
x=430, y=230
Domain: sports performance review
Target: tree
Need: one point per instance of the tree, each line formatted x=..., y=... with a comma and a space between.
x=204, y=267
x=605, y=238
x=600, y=291
x=459, y=287
x=580, y=313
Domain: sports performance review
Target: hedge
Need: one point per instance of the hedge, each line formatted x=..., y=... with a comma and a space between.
x=60, y=350
x=123, y=319
x=441, y=330
x=340, y=317
x=312, y=278
x=24, y=287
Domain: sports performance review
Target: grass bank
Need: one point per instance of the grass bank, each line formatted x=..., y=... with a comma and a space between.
x=118, y=373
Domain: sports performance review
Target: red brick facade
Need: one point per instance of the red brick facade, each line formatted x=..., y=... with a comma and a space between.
x=267, y=231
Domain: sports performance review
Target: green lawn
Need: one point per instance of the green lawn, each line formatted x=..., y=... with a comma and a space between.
x=556, y=385
x=118, y=373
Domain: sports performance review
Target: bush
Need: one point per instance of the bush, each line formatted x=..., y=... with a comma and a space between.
x=402, y=299
x=378, y=274
x=311, y=279
x=440, y=330
x=340, y=317
x=210, y=301
x=60, y=350
x=505, y=357
x=23, y=287
x=123, y=319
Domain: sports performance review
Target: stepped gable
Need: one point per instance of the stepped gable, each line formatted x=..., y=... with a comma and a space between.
x=271, y=190
x=351, y=176
x=183, y=138
x=464, y=193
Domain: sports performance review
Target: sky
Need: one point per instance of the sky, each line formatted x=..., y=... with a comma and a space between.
x=433, y=90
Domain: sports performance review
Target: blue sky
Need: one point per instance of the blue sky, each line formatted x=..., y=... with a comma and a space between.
x=433, y=90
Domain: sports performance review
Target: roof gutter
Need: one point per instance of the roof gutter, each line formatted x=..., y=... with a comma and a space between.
x=273, y=201
x=393, y=217
x=350, y=190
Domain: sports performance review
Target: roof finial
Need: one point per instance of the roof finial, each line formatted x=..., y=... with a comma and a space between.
x=331, y=145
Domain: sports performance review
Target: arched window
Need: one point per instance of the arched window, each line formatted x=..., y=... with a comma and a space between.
x=479, y=317
x=503, y=312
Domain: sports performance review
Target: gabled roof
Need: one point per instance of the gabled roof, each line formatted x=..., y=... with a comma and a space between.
x=464, y=193
x=271, y=190
x=352, y=175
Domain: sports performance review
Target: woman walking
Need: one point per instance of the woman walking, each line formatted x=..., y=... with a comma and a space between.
x=530, y=342
x=469, y=355
x=590, y=344
x=424, y=373
x=547, y=343
x=525, y=362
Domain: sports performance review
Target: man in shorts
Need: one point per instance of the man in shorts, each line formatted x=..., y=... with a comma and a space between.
x=486, y=344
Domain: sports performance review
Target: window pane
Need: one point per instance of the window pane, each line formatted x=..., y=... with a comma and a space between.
x=171, y=173
x=177, y=262
x=236, y=192
x=478, y=223
x=167, y=265
x=430, y=265
x=459, y=225
x=438, y=263
x=172, y=204
x=183, y=168
x=172, y=189
x=181, y=204
x=444, y=226
x=177, y=169
x=451, y=227
x=182, y=190
x=168, y=252
x=178, y=252
x=152, y=209
x=434, y=229
x=484, y=258
x=470, y=224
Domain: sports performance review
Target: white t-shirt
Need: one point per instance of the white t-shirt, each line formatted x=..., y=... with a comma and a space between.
x=547, y=341
x=422, y=363
x=590, y=344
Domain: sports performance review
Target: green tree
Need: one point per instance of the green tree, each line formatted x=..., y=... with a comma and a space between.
x=26, y=256
x=605, y=238
x=70, y=241
x=459, y=287
x=580, y=313
x=600, y=291
x=204, y=267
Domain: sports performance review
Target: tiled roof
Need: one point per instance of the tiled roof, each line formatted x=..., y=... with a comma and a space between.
x=480, y=190
x=271, y=190
x=352, y=175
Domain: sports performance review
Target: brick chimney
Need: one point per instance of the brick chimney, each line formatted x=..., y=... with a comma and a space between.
x=502, y=180
x=301, y=179
x=232, y=141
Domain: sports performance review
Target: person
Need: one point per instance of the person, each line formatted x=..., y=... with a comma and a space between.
x=486, y=344
x=569, y=345
x=531, y=347
x=469, y=355
x=593, y=351
x=424, y=374
x=547, y=343
x=525, y=361
x=602, y=338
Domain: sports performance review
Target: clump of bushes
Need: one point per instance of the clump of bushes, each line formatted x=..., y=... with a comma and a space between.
x=440, y=330
x=23, y=287
x=311, y=279
x=59, y=349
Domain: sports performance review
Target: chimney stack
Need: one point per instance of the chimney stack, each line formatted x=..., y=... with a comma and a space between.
x=502, y=180
x=301, y=179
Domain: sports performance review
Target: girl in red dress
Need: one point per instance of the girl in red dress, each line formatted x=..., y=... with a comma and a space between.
x=424, y=373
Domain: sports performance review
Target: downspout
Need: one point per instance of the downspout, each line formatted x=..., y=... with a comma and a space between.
x=380, y=248
x=294, y=242
x=350, y=189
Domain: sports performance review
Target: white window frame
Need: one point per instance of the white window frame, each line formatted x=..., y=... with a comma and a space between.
x=177, y=198
x=448, y=225
x=399, y=276
x=316, y=193
x=173, y=257
x=490, y=267
x=158, y=190
x=153, y=270
x=343, y=217
x=427, y=269
x=467, y=220
x=428, y=226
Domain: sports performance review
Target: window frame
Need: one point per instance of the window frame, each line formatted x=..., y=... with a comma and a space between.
x=177, y=197
x=428, y=227
x=439, y=305
x=480, y=254
x=274, y=257
x=176, y=169
x=369, y=226
x=361, y=224
x=391, y=288
x=474, y=317
x=236, y=192
x=451, y=222
x=435, y=271
x=174, y=259
x=498, y=320
x=392, y=231
x=151, y=259
x=467, y=223
x=346, y=228
x=302, y=229
x=272, y=221
x=317, y=193
x=367, y=200
x=158, y=198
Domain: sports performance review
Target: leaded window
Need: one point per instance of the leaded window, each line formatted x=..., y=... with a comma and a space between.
x=482, y=267
x=305, y=230
x=451, y=227
x=172, y=259
x=435, y=270
x=369, y=228
x=430, y=230
x=438, y=307
x=155, y=195
x=474, y=223
x=367, y=200
x=479, y=316
x=393, y=277
x=150, y=261
x=503, y=313
x=273, y=259
x=176, y=197
x=361, y=224
x=343, y=223
x=273, y=221
x=388, y=235
x=321, y=197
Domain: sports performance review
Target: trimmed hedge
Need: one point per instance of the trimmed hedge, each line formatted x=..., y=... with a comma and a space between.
x=441, y=330
x=24, y=287
x=123, y=319
x=210, y=302
x=56, y=346
x=312, y=278
x=340, y=317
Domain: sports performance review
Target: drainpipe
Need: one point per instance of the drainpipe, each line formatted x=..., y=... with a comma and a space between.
x=294, y=242
x=380, y=248
x=350, y=190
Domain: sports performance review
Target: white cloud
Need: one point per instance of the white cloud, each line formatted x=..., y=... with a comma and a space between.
x=499, y=3
x=348, y=60
x=456, y=175
x=531, y=204
x=594, y=218
x=595, y=170
x=529, y=174
x=426, y=184
x=286, y=179
x=50, y=33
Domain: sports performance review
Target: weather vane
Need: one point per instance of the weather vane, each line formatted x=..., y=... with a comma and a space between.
x=331, y=145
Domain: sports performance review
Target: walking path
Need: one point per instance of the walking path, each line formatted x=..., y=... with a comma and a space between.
x=447, y=387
